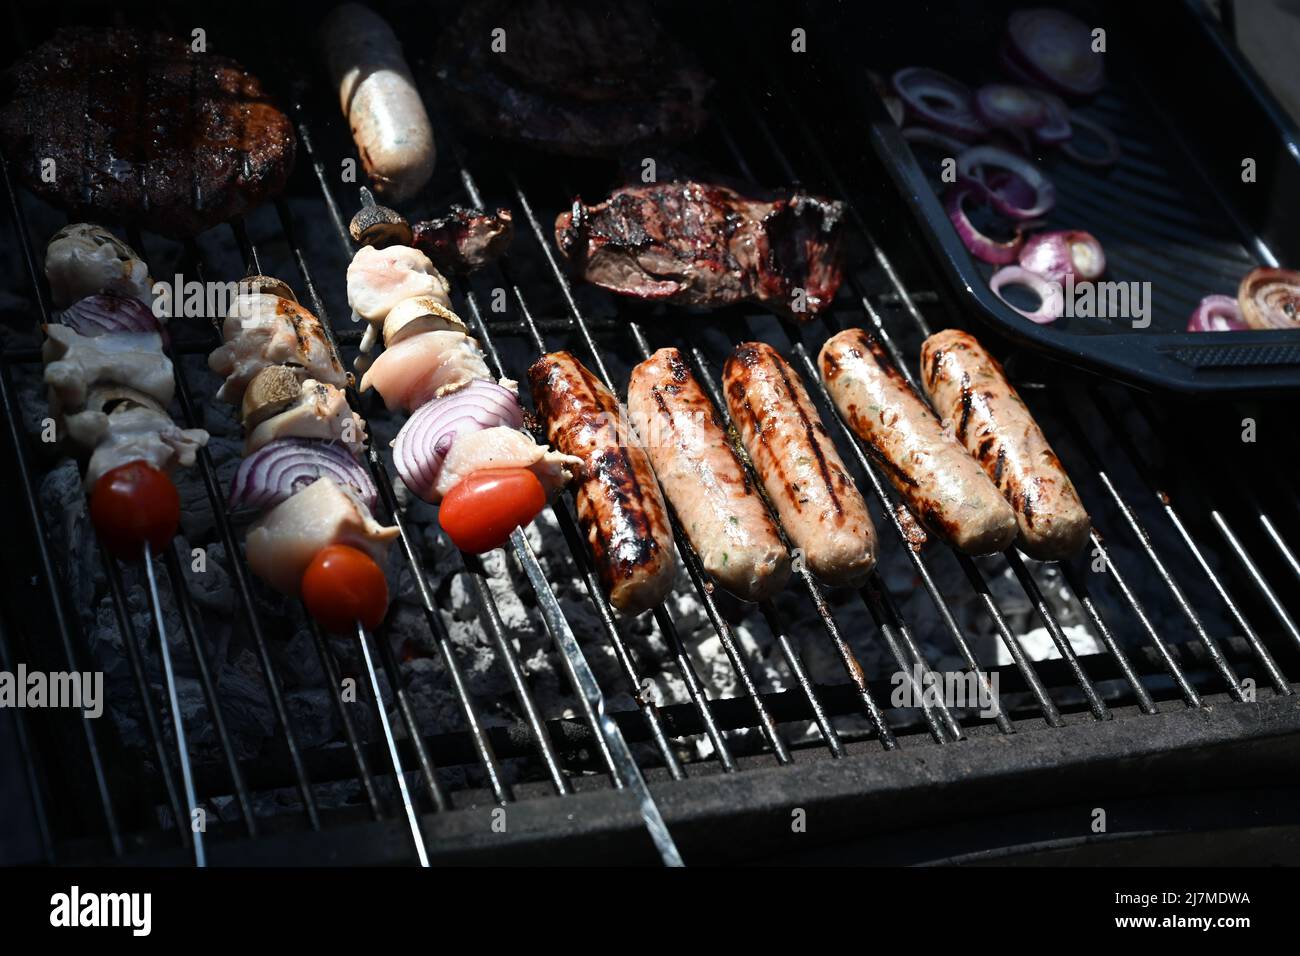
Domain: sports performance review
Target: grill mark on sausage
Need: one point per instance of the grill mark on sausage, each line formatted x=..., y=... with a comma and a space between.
x=997, y=468
x=613, y=468
x=965, y=407
x=822, y=465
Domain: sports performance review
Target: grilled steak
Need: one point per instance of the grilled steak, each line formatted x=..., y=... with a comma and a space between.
x=699, y=244
x=143, y=131
x=464, y=239
x=572, y=79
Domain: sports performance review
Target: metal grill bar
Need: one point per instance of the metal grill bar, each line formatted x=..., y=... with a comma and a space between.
x=49, y=570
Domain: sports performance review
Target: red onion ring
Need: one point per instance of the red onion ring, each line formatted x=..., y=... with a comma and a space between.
x=973, y=163
x=1270, y=299
x=925, y=136
x=1055, y=128
x=1052, y=304
x=284, y=467
x=1003, y=105
x=1110, y=144
x=918, y=86
x=1054, y=255
x=107, y=312
x=1217, y=313
x=427, y=436
x=980, y=246
x=1055, y=48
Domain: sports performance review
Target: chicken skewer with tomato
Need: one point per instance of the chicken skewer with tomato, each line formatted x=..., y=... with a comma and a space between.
x=314, y=535
x=110, y=384
x=464, y=448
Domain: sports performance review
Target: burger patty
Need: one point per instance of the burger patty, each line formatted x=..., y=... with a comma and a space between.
x=133, y=127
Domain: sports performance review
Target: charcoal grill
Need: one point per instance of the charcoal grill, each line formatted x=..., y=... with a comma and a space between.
x=1187, y=593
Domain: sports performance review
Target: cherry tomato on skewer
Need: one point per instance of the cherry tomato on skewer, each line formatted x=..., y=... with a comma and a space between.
x=342, y=586
x=134, y=504
x=481, y=511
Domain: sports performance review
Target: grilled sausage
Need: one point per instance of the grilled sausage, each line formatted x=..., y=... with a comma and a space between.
x=704, y=479
x=820, y=507
x=966, y=385
x=941, y=484
x=619, y=504
x=379, y=98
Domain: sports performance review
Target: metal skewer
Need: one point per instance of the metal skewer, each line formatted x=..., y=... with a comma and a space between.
x=416, y=836
x=618, y=753
x=173, y=704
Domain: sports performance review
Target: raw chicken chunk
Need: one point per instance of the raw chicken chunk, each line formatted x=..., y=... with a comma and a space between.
x=284, y=541
x=263, y=330
x=425, y=366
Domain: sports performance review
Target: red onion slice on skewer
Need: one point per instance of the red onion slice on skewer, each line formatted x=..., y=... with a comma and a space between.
x=427, y=436
x=284, y=467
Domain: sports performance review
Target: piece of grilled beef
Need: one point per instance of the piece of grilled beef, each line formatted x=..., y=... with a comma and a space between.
x=703, y=244
x=134, y=127
x=464, y=239
x=573, y=79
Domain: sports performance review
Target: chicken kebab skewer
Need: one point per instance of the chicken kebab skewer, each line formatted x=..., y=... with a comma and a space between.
x=315, y=535
x=464, y=447
x=110, y=385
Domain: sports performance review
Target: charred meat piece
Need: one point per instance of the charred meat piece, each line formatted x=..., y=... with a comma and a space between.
x=573, y=79
x=464, y=239
x=144, y=131
x=699, y=244
x=460, y=242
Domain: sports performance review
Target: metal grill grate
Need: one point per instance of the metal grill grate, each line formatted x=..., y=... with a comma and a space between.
x=126, y=822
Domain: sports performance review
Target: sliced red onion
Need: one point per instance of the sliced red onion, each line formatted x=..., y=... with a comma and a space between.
x=1055, y=48
x=981, y=164
x=925, y=136
x=1051, y=304
x=1217, y=313
x=106, y=313
x=939, y=101
x=284, y=467
x=427, y=436
x=1270, y=299
x=1055, y=127
x=1055, y=255
x=980, y=245
x=1004, y=105
x=1109, y=154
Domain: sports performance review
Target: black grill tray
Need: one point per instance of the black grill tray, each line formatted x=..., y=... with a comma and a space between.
x=1173, y=211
